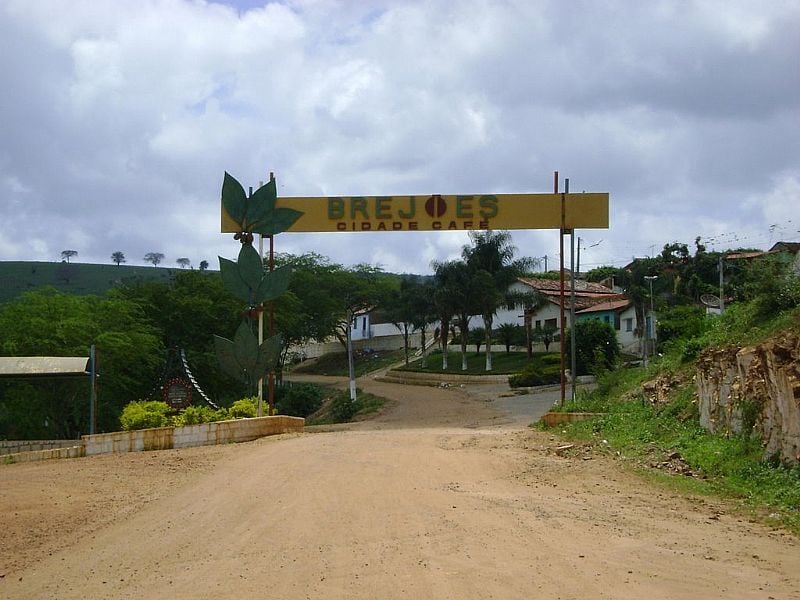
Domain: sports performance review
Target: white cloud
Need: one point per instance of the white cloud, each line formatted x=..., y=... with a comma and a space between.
x=119, y=119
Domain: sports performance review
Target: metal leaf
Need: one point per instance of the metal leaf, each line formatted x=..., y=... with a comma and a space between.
x=251, y=267
x=234, y=200
x=277, y=221
x=273, y=284
x=226, y=357
x=269, y=354
x=261, y=204
x=245, y=348
x=232, y=280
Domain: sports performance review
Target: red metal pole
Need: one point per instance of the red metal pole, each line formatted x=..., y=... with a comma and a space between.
x=562, y=298
x=271, y=378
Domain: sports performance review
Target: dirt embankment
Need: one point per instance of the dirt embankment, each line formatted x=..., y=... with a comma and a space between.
x=442, y=496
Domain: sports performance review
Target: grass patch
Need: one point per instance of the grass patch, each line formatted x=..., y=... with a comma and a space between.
x=340, y=409
x=502, y=363
x=670, y=437
x=335, y=363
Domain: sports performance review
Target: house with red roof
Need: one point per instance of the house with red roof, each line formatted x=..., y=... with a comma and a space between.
x=592, y=301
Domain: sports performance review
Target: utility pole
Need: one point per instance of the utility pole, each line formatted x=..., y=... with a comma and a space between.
x=649, y=324
x=721, y=285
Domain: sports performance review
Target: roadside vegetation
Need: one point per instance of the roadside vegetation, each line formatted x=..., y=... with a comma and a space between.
x=664, y=438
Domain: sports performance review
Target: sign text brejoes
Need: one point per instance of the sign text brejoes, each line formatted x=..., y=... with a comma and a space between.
x=442, y=212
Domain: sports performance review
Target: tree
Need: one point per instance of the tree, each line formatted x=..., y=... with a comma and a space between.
x=183, y=262
x=462, y=285
x=186, y=313
x=546, y=335
x=596, y=346
x=491, y=257
x=48, y=323
x=509, y=334
x=477, y=336
x=446, y=299
x=203, y=265
x=400, y=311
x=117, y=258
x=154, y=258
x=67, y=254
x=423, y=310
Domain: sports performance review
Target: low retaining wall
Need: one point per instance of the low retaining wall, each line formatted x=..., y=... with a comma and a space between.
x=164, y=438
x=205, y=434
x=15, y=446
x=415, y=377
x=37, y=455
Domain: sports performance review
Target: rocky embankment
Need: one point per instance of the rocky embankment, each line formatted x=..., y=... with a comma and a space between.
x=754, y=388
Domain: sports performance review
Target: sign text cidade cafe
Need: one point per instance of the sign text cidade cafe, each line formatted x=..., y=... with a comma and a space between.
x=443, y=212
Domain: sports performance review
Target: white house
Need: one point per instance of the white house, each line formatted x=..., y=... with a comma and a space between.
x=592, y=301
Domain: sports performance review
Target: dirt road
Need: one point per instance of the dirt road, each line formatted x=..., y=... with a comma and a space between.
x=442, y=496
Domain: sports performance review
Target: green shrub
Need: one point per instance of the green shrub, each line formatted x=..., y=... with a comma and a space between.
x=536, y=373
x=144, y=414
x=342, y=408
x=592, y=335
x=195, y=415
x=246, y=408
x=299, y=400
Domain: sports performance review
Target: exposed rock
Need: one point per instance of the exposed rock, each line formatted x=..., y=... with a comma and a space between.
x=754, y=389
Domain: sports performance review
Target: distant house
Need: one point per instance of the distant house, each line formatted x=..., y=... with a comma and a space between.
x=791, y=248
x=592, y=301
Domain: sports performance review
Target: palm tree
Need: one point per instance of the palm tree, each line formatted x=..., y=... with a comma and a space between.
x=117, y=257
x=491, y=257
x=67, y=254
x=445, y=299
x=153, y=257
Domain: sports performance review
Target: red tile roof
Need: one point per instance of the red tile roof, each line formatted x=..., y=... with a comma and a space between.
x=549, y=285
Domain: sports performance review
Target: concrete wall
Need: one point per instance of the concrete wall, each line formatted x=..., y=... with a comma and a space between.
x=205, y=434
x=15, y=446
x=163, y=438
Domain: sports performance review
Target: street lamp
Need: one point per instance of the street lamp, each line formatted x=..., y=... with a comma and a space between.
x=650, y=324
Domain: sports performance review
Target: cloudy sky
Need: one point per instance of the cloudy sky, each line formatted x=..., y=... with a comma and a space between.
x=118, y=119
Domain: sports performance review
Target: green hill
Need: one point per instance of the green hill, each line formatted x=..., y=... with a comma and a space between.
x=17, y=277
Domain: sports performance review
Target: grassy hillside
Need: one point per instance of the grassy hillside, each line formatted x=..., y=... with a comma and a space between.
x=17, y=277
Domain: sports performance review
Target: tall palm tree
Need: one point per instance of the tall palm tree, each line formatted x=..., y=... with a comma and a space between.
x=447, y=276
x=491, y=257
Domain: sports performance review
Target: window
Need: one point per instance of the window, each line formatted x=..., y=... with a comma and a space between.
x=538, y=324
x=551, y=323
x=616, y=321
x=629, y=324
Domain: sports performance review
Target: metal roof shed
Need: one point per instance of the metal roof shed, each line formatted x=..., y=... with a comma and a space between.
x=44, y=366
x=62, y=367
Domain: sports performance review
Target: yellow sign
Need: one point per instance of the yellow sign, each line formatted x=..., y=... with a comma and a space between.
x=442, y=213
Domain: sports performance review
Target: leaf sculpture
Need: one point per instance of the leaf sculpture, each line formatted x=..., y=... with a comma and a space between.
x=257, y=214
x=243, y=358
x=246, y=278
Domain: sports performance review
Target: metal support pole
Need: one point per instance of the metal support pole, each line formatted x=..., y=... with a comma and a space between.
x=573, y=362
x=93, y=390
x=350, y=366
x=271, y=381
x=260, y=411
x=562, y=330
x=721, y=285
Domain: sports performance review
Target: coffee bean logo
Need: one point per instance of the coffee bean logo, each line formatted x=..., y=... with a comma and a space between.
x=435, y=206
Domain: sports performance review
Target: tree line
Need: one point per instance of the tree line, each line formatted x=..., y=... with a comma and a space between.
x=154, y=258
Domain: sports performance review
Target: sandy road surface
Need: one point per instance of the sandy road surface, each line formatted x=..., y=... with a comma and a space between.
x=443, y=496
